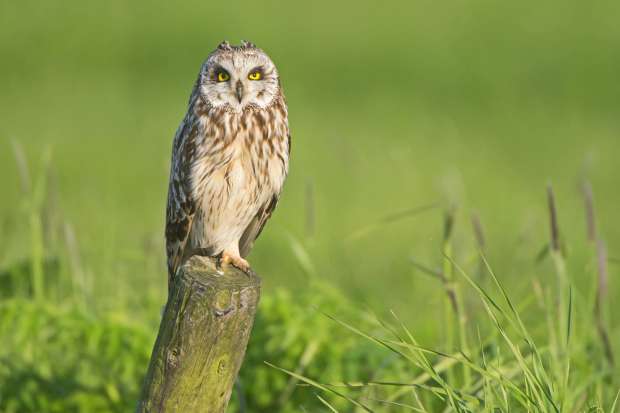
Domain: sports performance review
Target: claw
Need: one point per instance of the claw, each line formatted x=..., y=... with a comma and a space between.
x=236, y=261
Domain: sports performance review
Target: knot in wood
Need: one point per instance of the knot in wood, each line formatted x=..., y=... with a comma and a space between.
x=222, y=304
x=222, y=366
x=173, y=357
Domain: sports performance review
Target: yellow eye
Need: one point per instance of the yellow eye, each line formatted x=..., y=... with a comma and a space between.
x=256, y=75
x=222, y=76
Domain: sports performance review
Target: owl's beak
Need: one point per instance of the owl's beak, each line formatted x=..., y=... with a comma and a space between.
x=239, y=90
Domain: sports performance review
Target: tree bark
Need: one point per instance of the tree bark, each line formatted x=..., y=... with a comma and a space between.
x=202, y=339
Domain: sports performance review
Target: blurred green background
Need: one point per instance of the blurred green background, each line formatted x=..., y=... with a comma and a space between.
x=476, y=104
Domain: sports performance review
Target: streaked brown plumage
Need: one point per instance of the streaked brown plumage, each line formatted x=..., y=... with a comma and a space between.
x=229, y=158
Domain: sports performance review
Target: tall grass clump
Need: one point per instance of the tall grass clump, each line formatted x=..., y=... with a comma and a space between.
x=550, y=351
x=52, y=245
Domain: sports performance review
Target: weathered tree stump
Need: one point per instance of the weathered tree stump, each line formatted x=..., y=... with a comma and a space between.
x=202, y=339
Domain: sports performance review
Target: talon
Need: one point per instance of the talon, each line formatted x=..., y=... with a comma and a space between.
x=236, y=261
x=225, y=259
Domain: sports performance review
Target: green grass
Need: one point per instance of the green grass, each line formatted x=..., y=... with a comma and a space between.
x=472, y=107
x=558, y=359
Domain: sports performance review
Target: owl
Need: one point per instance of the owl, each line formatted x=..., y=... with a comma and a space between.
x=230, y=157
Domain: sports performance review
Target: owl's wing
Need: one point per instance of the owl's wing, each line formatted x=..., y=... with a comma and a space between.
x=256, y=226
x=181, y=205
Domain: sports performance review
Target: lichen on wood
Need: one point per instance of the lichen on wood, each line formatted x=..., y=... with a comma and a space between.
x=202, y=339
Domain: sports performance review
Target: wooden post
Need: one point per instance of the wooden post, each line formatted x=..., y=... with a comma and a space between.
x=202, y=339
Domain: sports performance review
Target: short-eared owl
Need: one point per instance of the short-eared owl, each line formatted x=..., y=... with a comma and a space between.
x=229, y=158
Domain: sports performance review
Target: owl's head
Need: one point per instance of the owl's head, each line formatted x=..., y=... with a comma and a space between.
x=238, y=77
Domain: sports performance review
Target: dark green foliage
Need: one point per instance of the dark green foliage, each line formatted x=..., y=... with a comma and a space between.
x=16, y=280
x=58, y=359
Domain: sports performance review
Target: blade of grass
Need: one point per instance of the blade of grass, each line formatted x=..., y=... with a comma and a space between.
x=389, y=219
x=600, y=301
x=320, y=386
x=451, y=394
x=425, y=270
x=553, y=220
x=311, y=349
x=570, y=314
x=615, y=403
x=530, y=376
x=519, y=322
x=326, y=404
x=403, y=405
x=450, y=360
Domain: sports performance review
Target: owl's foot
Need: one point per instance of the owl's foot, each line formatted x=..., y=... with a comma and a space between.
x=235, y=260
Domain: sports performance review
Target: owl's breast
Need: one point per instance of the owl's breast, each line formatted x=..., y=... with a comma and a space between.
x=245, y=160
